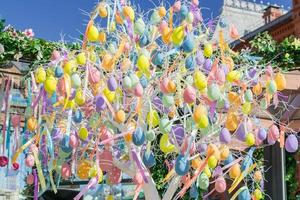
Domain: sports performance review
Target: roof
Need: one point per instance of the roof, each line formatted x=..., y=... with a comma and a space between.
x=280, y=20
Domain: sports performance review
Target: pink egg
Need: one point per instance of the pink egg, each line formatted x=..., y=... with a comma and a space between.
x=164, y=85
x=138, y=90
x=30, y=179
x=15, y=119
x=29, y=160
x=220, y=185
x=177, y=6
x=94, y=75
x=65, y=171
x=189, y=94
x=162, y=26
x=195, y=2
x=138, y=179
x=273, y=132
x=55, y=55
x=73, y=141
x=114, y=175
x=106, y=160
x=15, y=166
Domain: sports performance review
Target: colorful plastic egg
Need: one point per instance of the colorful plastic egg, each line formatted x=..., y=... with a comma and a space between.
x=92, y=33
x=182, y=165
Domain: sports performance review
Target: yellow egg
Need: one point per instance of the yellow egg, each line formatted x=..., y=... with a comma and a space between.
x=231, y=122
x=128, y=12
x=246, y=108
x=102, y=11
x=40, y=75
x=110, y=197
x=102, y=37
x=92, y=56
x=235, y=171
x=212, y=162
x=207, y=171
x=70, y=104
x=196, y=163
x=203, y=122
x=257, y=194
x=257, y=89
x=108, y=62
x=83, y=133
x=200, y=80
x=81, y=58
x=224, y=152
x=143, y=63
x=166, y=35
x=178, y=35
x=165, y=145
x=233, y=76
x=152, y=119
x=110, y=95
x=120, y=116
x=50, y=85
x=280, y=81
x=70, y=67
x=250, y=139
x=92, y=33
x=257, y=176
x=83, y=168
x=208, y=50
x=79, y=98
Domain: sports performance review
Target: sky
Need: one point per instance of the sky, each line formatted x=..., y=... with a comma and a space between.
x=50, y=19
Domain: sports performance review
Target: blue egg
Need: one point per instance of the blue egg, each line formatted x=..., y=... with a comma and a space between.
x=229, y=159
x=77, y=117
x=188, y=44
x=53, y=98
x=182, y=165
x=138, y=137
x=184, y=11
x=190, y=63
x=244, y=195
x=149, y=160
x=143, y=81
x=158, y=58
x=143, y=41
x=194, y=192
x=59, y=72
x=65, y=147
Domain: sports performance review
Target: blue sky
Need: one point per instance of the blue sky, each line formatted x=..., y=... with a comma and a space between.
x=51, y=18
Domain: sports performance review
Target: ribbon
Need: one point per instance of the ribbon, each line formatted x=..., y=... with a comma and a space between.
x=139, y=165
x=52, y=182
x=91, y=183
x=68, y=127
x=6, y=111
x=37, y=99
x=238, y=192
x=22, y=148
x=36, y=186
x=39, y=170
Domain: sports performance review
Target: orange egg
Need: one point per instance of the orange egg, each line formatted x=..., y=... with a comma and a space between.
x=83, y=168
x=212, y=149
x=196, y=163
x=234, y=98
x=102, y=11
x=224, y=152
x=171, y=87
x=235, y=171
x=102, y=37
x=120, y=116
x=162, y=11
x=257, y=176
x=31, y=124
x=128, y=137
x=166, y=35
x=108, y=62
x=231, y=122
x=257, y=89
x=119, y=19
x=199, y=111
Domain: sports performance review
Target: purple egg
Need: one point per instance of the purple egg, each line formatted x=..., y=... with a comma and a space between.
x=200, y=58
x=262, y=134
x=207, y=65
x=112, y=84
x=241, y=132
x=100, y=103
x=178, y=131
x=225, y=136
x=270, y=141
x=202, y=148
x=252, y=73
x=291, y=144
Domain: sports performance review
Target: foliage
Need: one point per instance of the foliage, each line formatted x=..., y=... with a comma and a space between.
x=285, y=54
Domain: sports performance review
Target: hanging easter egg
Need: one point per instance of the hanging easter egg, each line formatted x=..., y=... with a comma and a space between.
x=190, y=63
x=83, y=168
x=182, y=165
x=152, y=118
x=262, y=134
x=200, y=80
x=225, y=136
x=138, y=137
x=273, y=132
x=139, y=26
x=188, y=44
x=112, y=84
x=248, y=96
x=100, y=103
x=127, y=83
x=203, y=122
x=178, y=35
x=134, y=79
x=213, y=92
x=79, y=98
x=207, y=65
x=229, y=159
x=168, y=100
x=233, y=76
x=203, y=181
x=144, y=81
x=224, y=152
x=59, y=72
x=220, y=185
x=128, y=12
x=257, y=89
x=158, y=58
x=257, y=194
x=110, y=96
x=189, y=95
x=177, y=6
x=165, y=125
x=190, y=17
x=108, y=62
x=291, y=144
x=246, y=108
x=235, y=171
x=75, y=80
x=138, y=90
x=165, y=145
x=200, y=58
x=232, y=122
x=212, y=162
x=194, y=194
x=77, y=117
x=81, y=58
x=92, y=33
x=65, y=171
x=280, y=81
x=148, y=159
x=94, y=75
x=244, y=195
x=184, y=11
x=50, y=85
x=83, y=133
x=40, y=75
x=271, y=87
x=120, y=116
x=102, y=10
x=73, y=141
x=31, y=124
x=143, y=41
x=55, y=55
x=208, y=50
x=143, y=63
x=257, y=176
x=162, y=11
x=155, y=18
x=241, y=132
x=29, y=160
x=30, y=179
